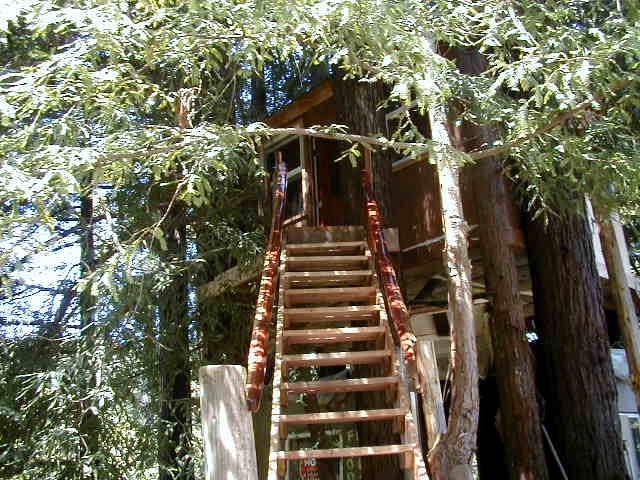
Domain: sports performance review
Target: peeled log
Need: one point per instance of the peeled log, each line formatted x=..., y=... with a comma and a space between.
x=627, y=317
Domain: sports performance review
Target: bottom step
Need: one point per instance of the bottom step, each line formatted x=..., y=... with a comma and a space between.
x=345, y=452
x=407, y=452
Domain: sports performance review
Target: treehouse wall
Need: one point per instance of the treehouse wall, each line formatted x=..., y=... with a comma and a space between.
x=416, y=211
x=335, y=194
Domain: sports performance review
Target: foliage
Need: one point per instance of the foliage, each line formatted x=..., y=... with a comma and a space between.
x=125, y=101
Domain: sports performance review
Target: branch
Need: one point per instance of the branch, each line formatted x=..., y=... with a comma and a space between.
x=557, y=121
x=365, y=141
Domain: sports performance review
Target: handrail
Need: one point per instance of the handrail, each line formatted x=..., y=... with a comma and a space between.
x=259, y=347
x=390, y=287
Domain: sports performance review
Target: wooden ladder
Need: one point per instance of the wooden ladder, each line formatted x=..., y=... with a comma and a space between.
x=327, y=284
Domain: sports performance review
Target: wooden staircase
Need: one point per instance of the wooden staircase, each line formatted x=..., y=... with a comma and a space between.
x=331, y=312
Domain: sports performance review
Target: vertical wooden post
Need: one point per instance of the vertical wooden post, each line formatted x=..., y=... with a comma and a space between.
x=432, y=403
x=227, y=429
x=613, y=250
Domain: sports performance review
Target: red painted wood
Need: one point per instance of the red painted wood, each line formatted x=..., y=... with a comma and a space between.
x=258, y=349
x=390, y=287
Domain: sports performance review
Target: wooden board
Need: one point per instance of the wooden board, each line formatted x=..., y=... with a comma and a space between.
x=322, y=263
x=335, y=358
x=328, y=278
x=227, y=428
x=342, y=233
x=347, y=385
x=346, y=452
x=344, y=417
x=306, y=102
x=299, y=296
x=326, y=248
x=333, y=335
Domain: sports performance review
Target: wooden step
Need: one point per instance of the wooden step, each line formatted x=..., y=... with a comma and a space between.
x=333, y=335
x=344, y=417
x=339, y=233
x=335, y=358
x=326, y=248
x=346, y=452
x=373, y=384
x=299, y=296
x=331, y=314
x=327, y=262
x=327, y=278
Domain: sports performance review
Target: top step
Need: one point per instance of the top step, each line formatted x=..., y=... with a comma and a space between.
x=345, y=233
x=326, y=248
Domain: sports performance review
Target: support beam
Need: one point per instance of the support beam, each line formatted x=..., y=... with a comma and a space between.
x=613, y=250
x=227, y=429
x=432, y=403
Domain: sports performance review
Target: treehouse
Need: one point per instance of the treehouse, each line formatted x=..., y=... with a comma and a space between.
x=350, y=377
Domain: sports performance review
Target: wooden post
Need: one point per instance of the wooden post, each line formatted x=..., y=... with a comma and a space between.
x=432, y=403
x=627, y=317
x=227, y=429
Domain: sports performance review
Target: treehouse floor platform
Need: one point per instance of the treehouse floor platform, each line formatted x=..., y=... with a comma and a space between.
x=337, y=366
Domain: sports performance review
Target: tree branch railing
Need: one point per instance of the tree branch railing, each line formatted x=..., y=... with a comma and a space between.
x=259, y=347
x=388, y=280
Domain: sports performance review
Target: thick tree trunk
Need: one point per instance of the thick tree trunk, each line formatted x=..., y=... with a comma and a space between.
x=490, y=453
x=576, y=366
x=358, y=109
x=357, y=106
x=450, y=458
x=519, y=414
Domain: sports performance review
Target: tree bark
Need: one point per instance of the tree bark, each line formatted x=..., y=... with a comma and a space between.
x=450, y=458
x=357, y=105
x=90, y=419
x=519, y=413
x=577, y=373
x=174, y=441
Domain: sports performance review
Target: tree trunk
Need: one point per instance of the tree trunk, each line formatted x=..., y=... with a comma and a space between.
x=174, y=439
x=519, y=414
x=490, y=454
x=174, y=442
x=625, y=308
x=357, y=106
x=576, y=366
x=90, y=419
x=450, y=458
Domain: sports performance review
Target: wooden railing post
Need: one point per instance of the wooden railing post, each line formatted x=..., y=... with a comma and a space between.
x=227, y=428
x=258, y=349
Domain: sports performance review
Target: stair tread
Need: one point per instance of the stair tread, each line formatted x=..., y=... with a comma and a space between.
x=335, y=358
x=344, y=417
x=301, y=248
x=345, y=452
x=324, y=258
x=329, y=314
x=330, y=290
x=326, y=262
x=346, y=385
x=341, y=334
x=329, y=295
x=329, y=274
